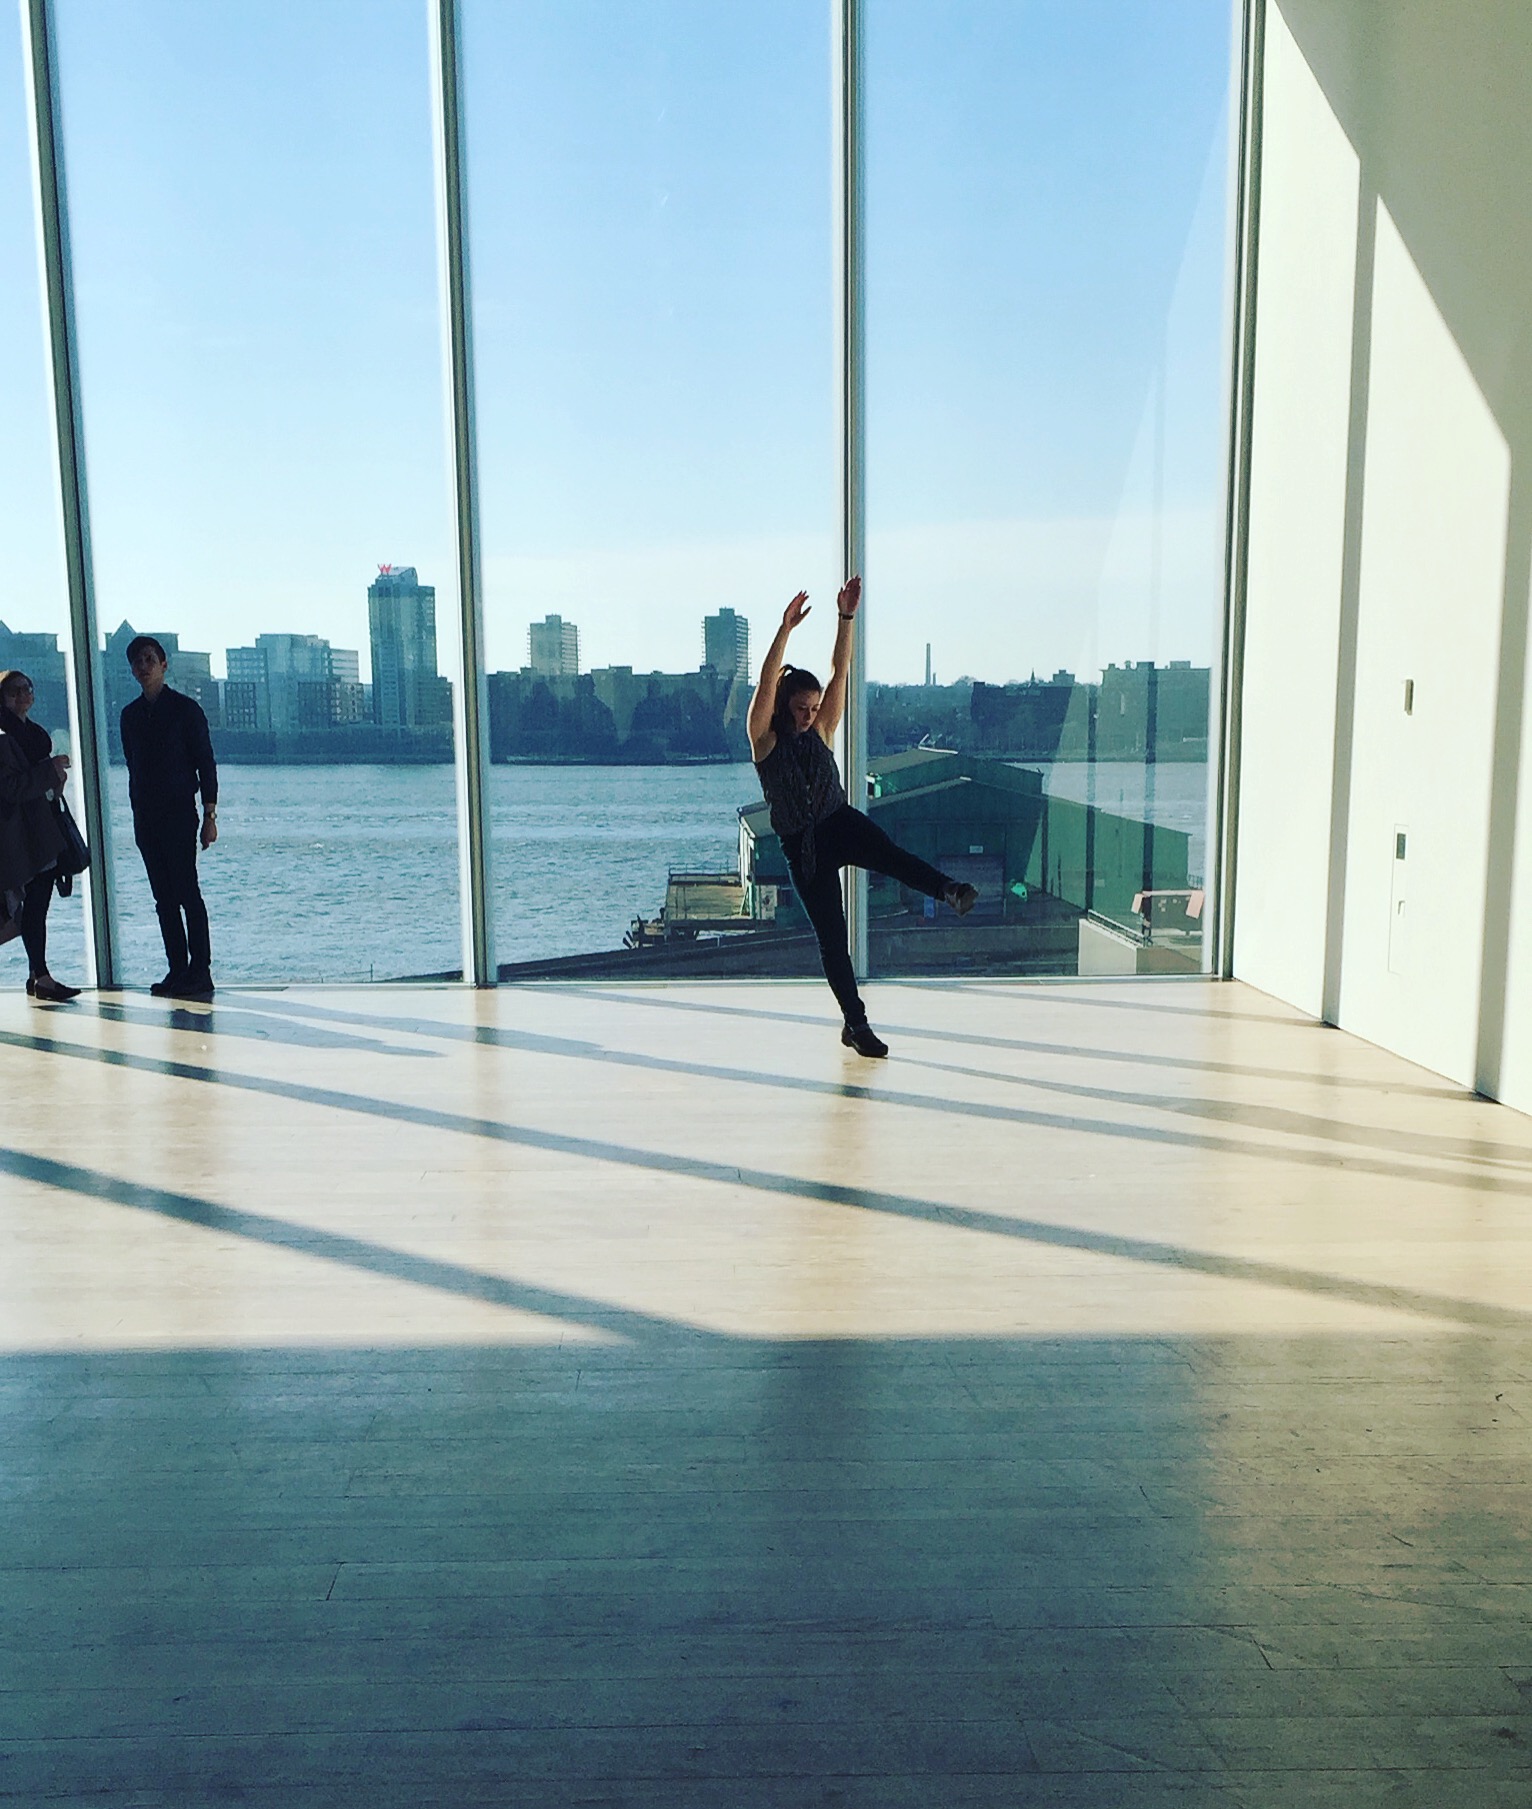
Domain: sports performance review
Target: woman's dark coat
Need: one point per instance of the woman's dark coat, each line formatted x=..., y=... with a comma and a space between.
x=30, y=837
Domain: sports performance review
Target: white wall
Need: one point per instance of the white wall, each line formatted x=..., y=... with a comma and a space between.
x=1307, y=261
x=1429, y=598
x=1391, y=518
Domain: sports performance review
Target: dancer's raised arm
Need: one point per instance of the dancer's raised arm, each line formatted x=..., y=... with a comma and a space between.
x=758, y=721
x=833, y=705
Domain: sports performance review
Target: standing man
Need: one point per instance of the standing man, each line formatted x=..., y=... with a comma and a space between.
x=169, y=752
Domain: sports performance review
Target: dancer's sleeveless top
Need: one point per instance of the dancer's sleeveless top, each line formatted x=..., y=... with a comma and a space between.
x=802, y=786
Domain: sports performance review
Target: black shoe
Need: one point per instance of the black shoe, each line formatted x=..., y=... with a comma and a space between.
x=49, y=990
x=169, y=987
x=192, y=986
x=961, y=896
x=862, y=1038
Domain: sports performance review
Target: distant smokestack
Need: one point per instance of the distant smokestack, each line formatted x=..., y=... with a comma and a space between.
x=928, y=662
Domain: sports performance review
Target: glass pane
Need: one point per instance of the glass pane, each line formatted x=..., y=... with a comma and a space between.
x=1047, y=221
x=34, y=609
x=649, y=189
x=252, y=205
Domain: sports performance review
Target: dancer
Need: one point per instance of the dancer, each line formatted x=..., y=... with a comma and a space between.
x=792, y=721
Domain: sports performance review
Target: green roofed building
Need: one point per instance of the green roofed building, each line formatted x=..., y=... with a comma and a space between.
x=1044, y=867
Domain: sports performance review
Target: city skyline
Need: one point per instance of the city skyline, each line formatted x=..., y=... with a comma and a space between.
x=297, y=697
x=43, y=648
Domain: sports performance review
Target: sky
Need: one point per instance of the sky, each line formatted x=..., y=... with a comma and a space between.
x=257, y=291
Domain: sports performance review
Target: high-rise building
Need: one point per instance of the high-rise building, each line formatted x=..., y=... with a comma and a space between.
x=246, y=692
x=292, y=684
x=297, y=681
x=553, y=647
x=349, y=701
x=1153, y=712
x=407, y=690
x=726, y=643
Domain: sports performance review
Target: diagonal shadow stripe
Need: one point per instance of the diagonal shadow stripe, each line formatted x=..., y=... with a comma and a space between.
x=1104, y=992
x=1279, y=1120
x=235, y=1020
x=265, y=1006
x=1415, y=1301
x=1063, y=989
x=336, y=1247
x=265, y=1010
x=976, y=1040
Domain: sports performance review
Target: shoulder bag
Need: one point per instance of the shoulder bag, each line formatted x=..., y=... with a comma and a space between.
x=76, y=855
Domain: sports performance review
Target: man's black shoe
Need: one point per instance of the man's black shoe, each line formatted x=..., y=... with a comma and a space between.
x=861, y=1038
x=169, y=987
x=962, y=897
x=193, y=986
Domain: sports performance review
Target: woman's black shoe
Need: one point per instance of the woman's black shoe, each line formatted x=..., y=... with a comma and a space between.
x=861, y=1038
x=51, y=991
x=961, y=896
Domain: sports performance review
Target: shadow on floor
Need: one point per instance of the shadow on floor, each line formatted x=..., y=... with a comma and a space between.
x=659, y=1001
x=1154, y=1254
x=1323, y=1127
x=1320, y=1127
x=958, y=1572
x=235, y=1020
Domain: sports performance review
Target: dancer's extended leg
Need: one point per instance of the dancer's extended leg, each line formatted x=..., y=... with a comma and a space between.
x=859, y=842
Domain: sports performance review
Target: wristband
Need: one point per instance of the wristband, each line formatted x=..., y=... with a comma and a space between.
x=845, y=618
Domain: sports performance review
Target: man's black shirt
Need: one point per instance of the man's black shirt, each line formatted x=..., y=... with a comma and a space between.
x=169, y=754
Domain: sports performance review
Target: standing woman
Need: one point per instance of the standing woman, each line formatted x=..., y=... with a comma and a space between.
x=31, y=779
x=792, y=723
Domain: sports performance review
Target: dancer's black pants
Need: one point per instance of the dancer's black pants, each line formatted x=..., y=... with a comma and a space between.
x=850, y=839
x=34, y=921
x=169, y=846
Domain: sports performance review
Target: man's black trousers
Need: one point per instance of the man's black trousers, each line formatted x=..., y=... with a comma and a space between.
x=168, y=844
x=850, y=839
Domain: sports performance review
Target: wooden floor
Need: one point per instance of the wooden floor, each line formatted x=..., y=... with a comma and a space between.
x=583, y=1395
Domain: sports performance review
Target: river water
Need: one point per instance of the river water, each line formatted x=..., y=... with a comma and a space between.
x=351, y=872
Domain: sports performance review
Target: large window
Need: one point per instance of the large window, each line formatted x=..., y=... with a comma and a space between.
x=256, y=285
x=651, y=234
x=649, y=190
x=1046, y=218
